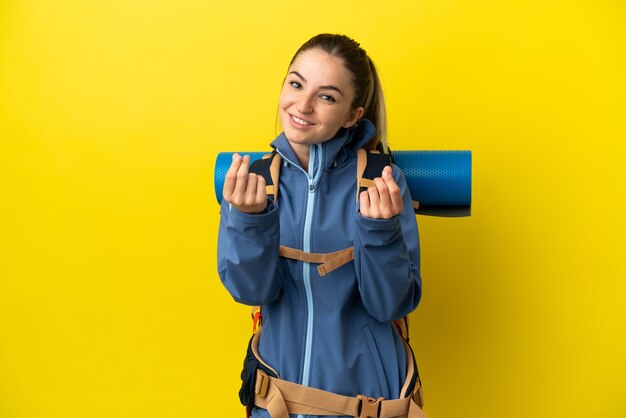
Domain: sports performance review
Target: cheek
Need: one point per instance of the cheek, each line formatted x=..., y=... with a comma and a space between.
x=339, y=118
x=285, y=98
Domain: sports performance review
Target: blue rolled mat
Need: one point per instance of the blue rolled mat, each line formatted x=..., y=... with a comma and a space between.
x=441, y=181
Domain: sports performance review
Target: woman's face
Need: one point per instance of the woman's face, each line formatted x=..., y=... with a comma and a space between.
x=316, y=98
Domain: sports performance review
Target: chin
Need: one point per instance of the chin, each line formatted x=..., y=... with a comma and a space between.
x=297, y=138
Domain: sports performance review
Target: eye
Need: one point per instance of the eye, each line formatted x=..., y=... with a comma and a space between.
x=295, y=84
x=327, y=98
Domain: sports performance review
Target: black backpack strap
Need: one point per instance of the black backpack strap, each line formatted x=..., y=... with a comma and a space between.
x=269, y=168
x=370, y=164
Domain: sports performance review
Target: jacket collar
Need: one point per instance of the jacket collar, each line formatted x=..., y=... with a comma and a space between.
x=339, y=148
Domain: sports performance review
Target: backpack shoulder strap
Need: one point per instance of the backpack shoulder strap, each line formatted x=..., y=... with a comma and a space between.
x=370, y=164
x=269, y=168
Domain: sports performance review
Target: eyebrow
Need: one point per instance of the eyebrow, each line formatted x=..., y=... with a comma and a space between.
x=321, y=87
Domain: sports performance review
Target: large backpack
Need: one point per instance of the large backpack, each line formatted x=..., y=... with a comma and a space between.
x=261, y=385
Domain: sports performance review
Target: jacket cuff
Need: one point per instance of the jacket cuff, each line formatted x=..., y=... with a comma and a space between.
x=270, y=215
x=378, y=224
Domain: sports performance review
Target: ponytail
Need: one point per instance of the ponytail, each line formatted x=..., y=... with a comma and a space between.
x=376, y=111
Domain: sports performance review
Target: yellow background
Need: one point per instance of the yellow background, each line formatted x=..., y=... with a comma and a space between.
x=112, y=114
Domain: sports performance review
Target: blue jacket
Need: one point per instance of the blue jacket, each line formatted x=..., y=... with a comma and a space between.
x=334, y=332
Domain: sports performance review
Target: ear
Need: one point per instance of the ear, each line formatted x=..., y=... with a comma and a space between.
x=354, y=116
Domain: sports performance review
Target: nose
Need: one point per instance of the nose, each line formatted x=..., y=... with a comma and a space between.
x=305, y=104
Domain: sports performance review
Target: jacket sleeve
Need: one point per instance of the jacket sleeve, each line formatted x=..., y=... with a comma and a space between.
x=247, y=254
x=387, y=260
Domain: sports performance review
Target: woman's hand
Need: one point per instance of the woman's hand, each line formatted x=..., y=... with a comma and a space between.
x=383, y=201
x=245, y=191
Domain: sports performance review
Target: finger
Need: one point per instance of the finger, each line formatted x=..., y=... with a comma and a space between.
x=388, y=178
x=384, y=205
x=250, y=193
x=374, y=202
x=364, y=200
x=242, y=180
x=261, y=193
x=252, y=190
x=231, y=177
x=394, y=191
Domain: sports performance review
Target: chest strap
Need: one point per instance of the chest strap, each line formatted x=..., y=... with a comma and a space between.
x=269, y=168
x=329, y=261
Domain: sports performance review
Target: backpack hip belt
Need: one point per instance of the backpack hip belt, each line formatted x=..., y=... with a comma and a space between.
x=281, y=397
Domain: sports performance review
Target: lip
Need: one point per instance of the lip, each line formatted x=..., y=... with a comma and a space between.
x=298, y=125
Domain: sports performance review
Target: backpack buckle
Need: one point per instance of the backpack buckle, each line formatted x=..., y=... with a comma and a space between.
x=418, y=396
x=262, y=383
x=369, y=407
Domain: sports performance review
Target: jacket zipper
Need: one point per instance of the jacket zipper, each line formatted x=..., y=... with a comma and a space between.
x=316, y=154
x=316, y=151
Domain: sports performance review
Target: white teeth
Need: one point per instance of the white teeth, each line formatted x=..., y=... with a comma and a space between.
x=300, y=121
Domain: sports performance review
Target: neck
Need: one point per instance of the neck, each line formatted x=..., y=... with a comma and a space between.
x=302, y=151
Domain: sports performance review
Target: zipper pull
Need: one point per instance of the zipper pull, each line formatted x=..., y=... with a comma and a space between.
x=311, y=187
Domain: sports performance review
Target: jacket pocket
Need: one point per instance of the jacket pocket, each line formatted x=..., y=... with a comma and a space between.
x=376, y=359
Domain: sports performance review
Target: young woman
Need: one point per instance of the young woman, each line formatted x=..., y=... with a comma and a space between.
x=333, y=332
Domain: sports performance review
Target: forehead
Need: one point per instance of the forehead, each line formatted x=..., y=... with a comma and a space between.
x=319, y=67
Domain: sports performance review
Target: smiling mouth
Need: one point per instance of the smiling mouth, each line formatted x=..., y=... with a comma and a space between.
x=300, y=121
